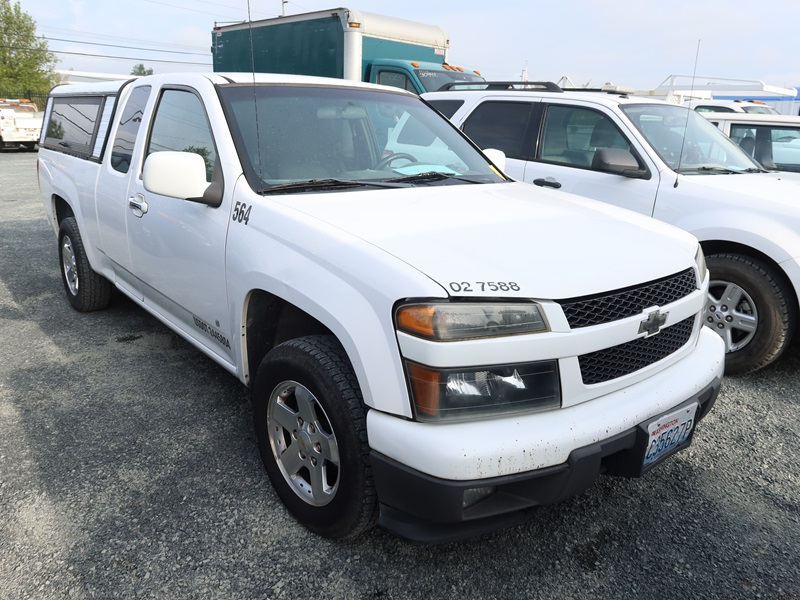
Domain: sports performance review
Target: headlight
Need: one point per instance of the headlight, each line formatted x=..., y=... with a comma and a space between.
x=453, y=321
x=463, y=393
x=700, y=261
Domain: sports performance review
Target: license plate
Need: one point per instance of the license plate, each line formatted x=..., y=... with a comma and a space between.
x=668, y=432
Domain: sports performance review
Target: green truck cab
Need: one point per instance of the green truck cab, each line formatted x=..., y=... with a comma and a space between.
x=342, y=43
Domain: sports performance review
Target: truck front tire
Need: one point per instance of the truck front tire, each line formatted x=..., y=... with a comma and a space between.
x=86, y=290
x=310, y=422
x=750, y=309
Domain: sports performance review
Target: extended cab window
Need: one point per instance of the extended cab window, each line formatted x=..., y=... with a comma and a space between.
x=129, y=122
x=571, y=135
x=73, y=123
x=181, y=125
x=501, y=125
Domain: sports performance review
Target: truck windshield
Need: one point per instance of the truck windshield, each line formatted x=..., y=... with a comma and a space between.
x=687, y=141
x=435, y=80
x=287, y=135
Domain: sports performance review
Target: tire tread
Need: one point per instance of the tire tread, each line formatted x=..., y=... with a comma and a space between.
x=782, y=303
x=94, y=290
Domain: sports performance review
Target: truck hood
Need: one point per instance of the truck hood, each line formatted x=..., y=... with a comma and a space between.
x=548, y=244
x=773, y=187
x=770, y=195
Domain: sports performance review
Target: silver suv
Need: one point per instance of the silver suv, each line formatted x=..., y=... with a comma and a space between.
x=668, y=162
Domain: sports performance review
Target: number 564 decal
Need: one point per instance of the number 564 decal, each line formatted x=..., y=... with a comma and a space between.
x=241, y=213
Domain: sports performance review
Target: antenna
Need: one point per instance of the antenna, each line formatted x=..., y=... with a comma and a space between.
x=253, y=74
x=686, y=125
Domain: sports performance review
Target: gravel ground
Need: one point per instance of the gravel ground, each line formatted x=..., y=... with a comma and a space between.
x=129, y=469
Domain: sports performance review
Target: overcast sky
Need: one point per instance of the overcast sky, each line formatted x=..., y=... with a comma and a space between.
x=636, y=43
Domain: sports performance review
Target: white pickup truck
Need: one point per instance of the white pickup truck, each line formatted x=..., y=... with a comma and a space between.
x=430, y=346
x=20, y=124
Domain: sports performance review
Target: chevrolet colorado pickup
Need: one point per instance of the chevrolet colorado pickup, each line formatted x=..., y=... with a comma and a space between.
x=430, y=346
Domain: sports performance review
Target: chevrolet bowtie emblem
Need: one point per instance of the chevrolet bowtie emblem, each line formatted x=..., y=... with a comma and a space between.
x=653, y=323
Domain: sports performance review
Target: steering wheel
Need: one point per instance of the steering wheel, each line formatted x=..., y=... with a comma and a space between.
x=387, y=160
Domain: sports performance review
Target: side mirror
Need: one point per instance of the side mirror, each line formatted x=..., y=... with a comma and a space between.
x=618, y=162
x=180, y=175
x=498, y=158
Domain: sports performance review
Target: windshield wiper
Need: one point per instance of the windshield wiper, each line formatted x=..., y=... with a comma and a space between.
x=321, y=185
x=707, y=169
x=430, y=177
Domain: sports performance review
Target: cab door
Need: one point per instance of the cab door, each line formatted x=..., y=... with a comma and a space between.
x=112, y=188
x=571, y=135
x=177, y=246
x=552, y=145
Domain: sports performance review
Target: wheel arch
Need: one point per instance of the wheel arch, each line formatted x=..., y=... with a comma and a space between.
x=268, y=321
x=61, y=209
x=726, y=246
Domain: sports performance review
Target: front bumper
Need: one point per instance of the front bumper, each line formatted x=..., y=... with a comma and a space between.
x=425, y=509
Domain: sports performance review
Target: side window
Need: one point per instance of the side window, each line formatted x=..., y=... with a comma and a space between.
x=772, y=146
x=72, y=125
x=702, y=108
x=571, y=135
x=501, y=125
x=129, y=122
x=181, y=125
x=447, y=107
x=396, y=79
x=745, y=136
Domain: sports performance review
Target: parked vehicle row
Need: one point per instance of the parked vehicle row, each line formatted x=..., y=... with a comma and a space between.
x=668, y=162
x=430, y=345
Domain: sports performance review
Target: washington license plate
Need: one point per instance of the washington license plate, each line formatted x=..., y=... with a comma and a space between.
x=668, y=432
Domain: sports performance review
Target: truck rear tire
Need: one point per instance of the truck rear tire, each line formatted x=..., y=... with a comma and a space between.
x=310, y=422
x=86, y=290
x=750, y=307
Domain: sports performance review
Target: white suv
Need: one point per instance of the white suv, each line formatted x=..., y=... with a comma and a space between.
x=669, y=162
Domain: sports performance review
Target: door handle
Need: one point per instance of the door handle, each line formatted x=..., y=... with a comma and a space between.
x=547, y=182
x=138, y=204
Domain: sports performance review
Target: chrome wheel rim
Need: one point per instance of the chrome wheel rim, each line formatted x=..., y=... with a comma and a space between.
x=731, y=312
x=69, y=264
x=303, y=443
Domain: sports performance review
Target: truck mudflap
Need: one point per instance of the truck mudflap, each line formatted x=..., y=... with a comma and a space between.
x=425, y=509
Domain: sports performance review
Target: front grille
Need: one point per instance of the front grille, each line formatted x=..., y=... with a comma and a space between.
x=610, y=363
x=584, y=312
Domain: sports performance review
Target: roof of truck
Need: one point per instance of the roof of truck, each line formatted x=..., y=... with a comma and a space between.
x=113, y=87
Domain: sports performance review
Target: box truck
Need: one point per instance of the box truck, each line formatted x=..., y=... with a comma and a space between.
x=343, y=43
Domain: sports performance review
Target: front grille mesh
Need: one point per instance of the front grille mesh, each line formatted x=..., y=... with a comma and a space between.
x=610, y=363
x=584, y=312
